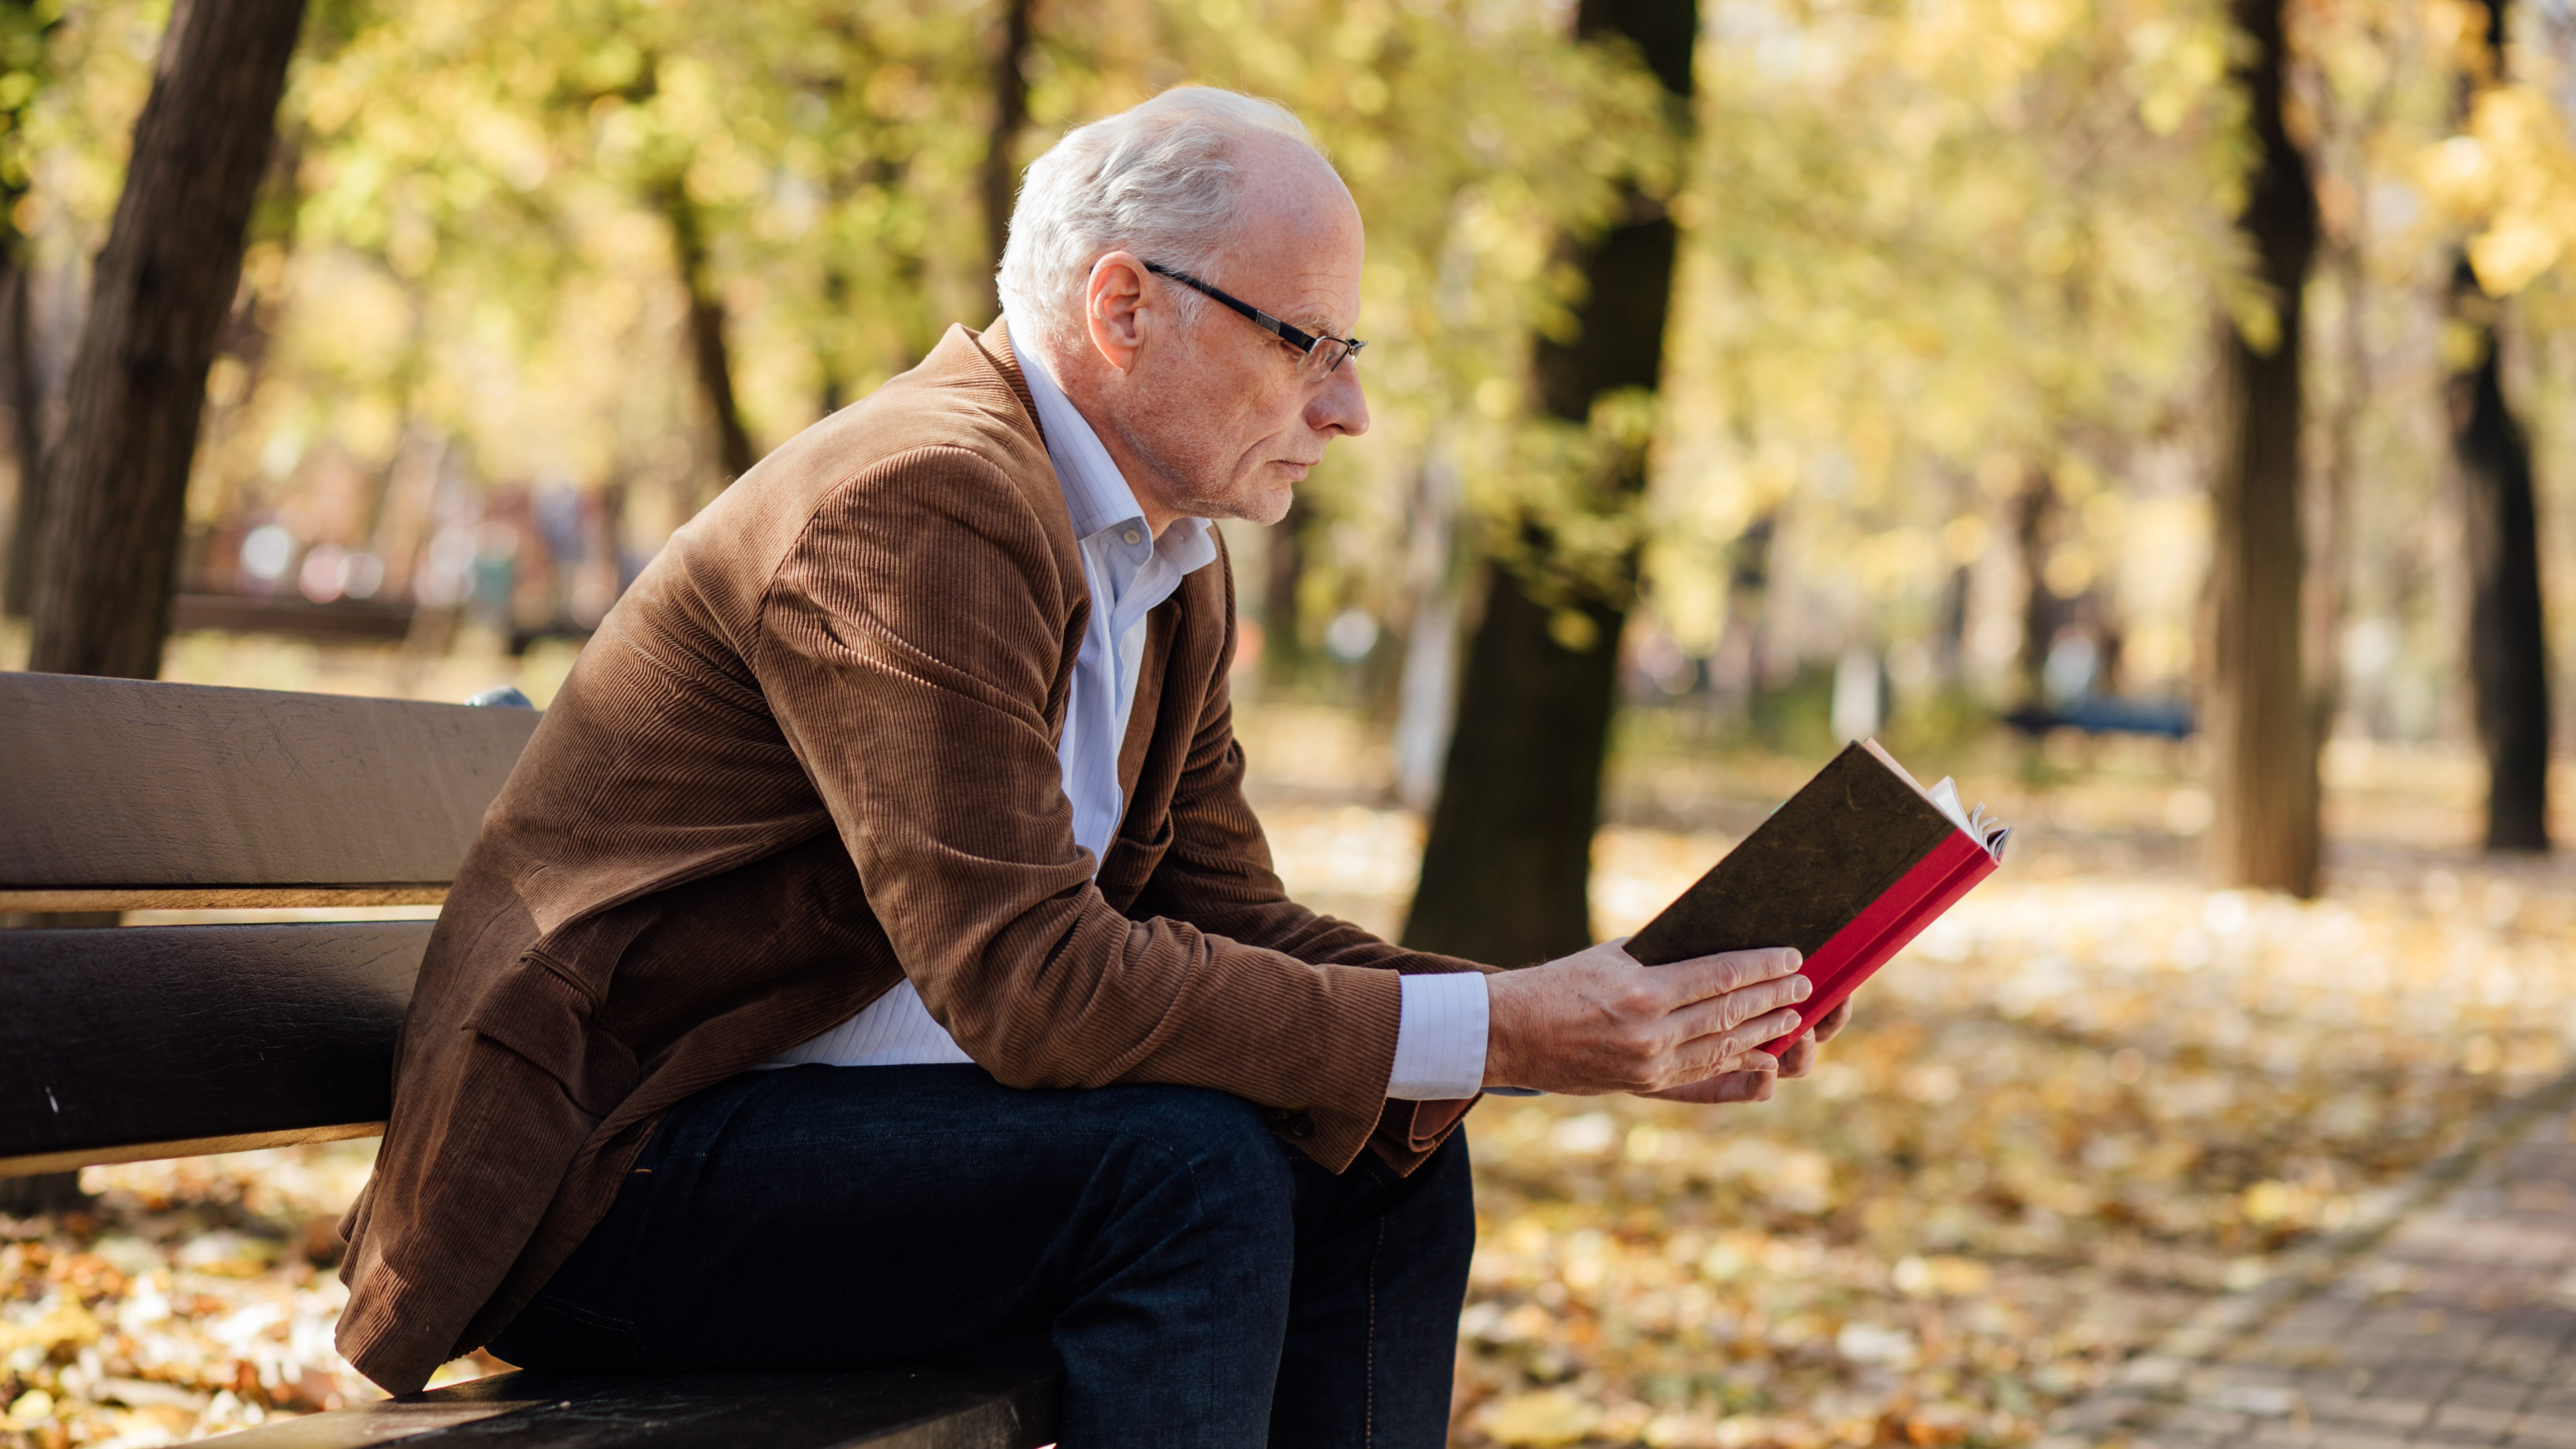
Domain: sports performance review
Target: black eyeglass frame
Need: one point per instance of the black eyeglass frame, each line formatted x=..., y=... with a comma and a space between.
x=1297, y=337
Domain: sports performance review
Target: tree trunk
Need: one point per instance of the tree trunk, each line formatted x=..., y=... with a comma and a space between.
x=2036, y=518
x=734, y=453
x=1283, y=647
x=118, y=484
x=1010, y=117
x=2508, y=652
x=1428, y=692
x=25, y=30
x=26, y=403
x=2508, y=645
x=1741, y=666
x=45, y=1192
x=2262, y=727
x=1506, y=872
x=836, y=297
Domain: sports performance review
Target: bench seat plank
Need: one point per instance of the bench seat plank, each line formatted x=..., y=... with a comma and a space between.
x=1012, y=1408
x=164, y=1041
x=134, y=785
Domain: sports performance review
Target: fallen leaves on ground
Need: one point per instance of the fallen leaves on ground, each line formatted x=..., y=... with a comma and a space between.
x=2094, y=1095
x=189, y=1298
x=2089, y=1098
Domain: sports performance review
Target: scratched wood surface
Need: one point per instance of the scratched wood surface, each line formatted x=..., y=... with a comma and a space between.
x=166, y=1041
x=131, y=794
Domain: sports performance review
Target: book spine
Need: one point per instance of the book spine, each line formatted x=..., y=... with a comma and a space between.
x=1886, y=926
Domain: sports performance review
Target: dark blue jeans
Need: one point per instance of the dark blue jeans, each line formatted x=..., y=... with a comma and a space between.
x=1201, y=1282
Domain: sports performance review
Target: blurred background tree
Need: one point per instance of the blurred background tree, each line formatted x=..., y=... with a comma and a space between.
x=2001, y=377
x=107, y=556
x=2508, y=651
x=24, y=31
x=1506, y=872
x=2264, y=728
x=1753, y=370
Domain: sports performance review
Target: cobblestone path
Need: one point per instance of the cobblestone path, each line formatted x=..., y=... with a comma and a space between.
x=2456, y=1325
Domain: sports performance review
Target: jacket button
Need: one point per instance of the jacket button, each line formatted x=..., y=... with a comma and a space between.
x=1299, y=1126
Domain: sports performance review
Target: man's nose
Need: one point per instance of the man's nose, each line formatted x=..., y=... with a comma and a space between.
x=1340, y=407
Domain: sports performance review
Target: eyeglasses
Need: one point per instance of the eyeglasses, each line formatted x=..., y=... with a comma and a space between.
x=1323, y=355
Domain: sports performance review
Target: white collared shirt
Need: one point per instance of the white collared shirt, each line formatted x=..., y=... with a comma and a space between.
x=1440, y=1036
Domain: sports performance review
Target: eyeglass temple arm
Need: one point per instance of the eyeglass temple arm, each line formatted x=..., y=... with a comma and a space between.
x=1296, y=337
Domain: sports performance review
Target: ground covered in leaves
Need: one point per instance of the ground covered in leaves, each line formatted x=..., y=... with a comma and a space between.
x=190, y=1298
x=2093, y=1095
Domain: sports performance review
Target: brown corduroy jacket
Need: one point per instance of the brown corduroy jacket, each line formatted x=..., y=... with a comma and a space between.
x=812, y=751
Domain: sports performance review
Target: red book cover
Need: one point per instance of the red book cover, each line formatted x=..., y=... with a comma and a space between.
x=1848, y=870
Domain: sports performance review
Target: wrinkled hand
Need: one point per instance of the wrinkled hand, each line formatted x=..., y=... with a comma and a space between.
x=1800, y=1058
x=1597, y=1022
x=1753, y=1084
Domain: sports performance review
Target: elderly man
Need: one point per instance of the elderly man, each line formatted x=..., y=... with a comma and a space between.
x=873, y=959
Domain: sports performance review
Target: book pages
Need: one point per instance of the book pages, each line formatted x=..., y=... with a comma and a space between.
x=1980, y=829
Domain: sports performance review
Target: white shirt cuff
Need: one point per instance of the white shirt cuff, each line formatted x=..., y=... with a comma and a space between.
x=1440, y=1038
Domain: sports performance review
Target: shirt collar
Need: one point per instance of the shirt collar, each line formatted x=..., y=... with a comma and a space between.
x=1095, y=492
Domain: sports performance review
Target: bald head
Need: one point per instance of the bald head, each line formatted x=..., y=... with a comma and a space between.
x=1169, y=180
x=1207, y=413
x=1295, y=220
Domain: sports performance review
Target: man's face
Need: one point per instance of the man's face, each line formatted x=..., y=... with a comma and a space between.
x=1221, y=413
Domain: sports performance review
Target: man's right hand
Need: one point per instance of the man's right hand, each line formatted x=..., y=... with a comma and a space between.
x=1597, y=1022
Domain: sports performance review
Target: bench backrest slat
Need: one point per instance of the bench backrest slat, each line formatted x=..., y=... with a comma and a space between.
x=162, y=1041
x=118, y=1044
x=131, y=794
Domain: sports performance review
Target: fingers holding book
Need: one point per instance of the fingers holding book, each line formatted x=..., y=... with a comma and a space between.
x=1831, y=1024
x=1800, y=1058
x=1597, y=1022
x=1752, y=1084
x=1748, y=998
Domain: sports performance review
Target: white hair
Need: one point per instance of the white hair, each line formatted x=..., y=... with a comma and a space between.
x=1160, y=179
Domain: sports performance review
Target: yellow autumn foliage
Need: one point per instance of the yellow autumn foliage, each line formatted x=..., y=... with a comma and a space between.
x=65, y=1324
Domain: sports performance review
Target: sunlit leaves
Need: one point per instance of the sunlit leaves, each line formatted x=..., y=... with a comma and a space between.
x=1927, y=243
x=2511, y=174
x=1931, y=242
x=25, y=66
x=1474, y=137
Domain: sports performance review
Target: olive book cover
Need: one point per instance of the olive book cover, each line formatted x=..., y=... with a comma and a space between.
x=1848, y=870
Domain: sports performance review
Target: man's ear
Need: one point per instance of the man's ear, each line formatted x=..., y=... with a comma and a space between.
x=1115, y=310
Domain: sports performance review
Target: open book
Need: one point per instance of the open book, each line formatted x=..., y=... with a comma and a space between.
x=1848, y=870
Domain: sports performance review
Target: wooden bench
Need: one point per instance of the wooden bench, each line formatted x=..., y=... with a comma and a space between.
x=124, y=1043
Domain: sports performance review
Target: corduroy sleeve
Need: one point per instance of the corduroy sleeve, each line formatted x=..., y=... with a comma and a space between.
x=912, y=648
x=1217, y=875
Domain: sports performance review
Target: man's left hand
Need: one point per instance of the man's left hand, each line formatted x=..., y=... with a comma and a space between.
x=1754, y=1085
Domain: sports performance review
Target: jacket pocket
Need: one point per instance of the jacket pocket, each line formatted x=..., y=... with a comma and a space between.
x=545, y=1004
